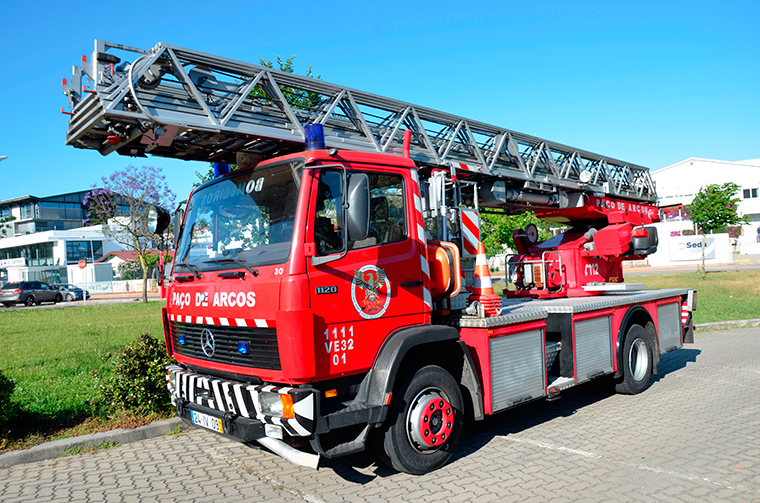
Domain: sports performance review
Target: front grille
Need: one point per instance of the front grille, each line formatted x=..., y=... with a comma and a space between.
x=263, y=351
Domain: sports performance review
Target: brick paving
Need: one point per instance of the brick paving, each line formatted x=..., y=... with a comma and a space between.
x=694, y=435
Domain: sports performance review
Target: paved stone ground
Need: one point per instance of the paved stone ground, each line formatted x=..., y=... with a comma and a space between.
x=693, y=436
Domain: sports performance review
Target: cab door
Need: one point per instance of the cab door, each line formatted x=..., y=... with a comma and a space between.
x=376, y=288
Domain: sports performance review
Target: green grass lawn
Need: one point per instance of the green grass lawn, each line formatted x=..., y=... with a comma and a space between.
x=51, y=354
x=722, y=296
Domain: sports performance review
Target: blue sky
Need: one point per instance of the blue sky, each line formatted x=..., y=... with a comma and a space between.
x=650, y=83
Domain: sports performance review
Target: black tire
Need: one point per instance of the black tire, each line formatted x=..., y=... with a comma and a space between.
x=432, y=397
x=637, y=362
x=8, y=304
x=58, y=298
x=29, y=301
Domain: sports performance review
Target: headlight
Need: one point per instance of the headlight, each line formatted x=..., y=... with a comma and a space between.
x=275, y=404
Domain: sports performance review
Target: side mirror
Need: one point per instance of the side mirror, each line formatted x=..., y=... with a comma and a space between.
x=357, y=215
x=178, y=215
x=158, y=220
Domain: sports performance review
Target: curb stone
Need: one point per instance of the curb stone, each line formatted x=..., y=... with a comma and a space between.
x=51, y=450
x=722, y=325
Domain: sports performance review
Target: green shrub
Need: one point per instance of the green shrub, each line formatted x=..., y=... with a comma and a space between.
x=7, y=408
x=137, y=380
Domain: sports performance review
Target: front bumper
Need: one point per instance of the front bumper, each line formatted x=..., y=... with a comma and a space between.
x=237, y=404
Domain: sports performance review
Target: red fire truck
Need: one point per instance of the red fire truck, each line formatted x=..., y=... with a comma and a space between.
x=335, y=293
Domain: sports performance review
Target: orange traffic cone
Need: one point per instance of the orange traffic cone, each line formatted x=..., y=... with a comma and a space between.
x=482, y=290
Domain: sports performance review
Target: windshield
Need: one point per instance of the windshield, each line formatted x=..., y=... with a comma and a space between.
x=244, y=220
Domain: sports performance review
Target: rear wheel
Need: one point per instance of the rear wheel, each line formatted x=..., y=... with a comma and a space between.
x=29, y=300
x=8, y=304
x=637, y=362
x=424, y=423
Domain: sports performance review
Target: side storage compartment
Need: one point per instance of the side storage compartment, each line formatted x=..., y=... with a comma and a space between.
x=593, y=348
x=669, y=327
x=518, y=368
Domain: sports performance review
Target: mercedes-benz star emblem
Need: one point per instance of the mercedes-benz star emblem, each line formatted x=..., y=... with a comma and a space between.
x=207, y=342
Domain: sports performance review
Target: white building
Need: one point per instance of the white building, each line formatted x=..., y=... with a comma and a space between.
x=679, y=183
x=51, y=255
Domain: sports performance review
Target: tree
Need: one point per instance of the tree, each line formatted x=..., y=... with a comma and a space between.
x=4, y=228
x=122, y=207
x=496, y=230
x=296, y=98
x=714, y=208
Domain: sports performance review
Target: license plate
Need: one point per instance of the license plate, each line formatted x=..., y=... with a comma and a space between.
x=206, y=421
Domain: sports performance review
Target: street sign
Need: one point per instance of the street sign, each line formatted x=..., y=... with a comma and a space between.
x=82, y=264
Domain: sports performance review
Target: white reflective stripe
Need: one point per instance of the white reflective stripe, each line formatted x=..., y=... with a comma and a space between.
x=415, y=177
x=470, y=237
x=425, y=267
x=241, y=402
x=191, y=390
x=480, y=259
x=240, y=322
x=171, y=317
x=299, y=430
x=210, y=321
x=305, y=407
x=420, y=233
x=481, y=283
x=199, y=320
x=255, y=399
x=218, y=396
x=227, y=397
x=223, y=321
x=261, y=323
x=417, y=204
x=427, y=298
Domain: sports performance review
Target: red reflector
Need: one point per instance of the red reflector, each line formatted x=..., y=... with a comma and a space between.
x=640, y=233
x=114, y=139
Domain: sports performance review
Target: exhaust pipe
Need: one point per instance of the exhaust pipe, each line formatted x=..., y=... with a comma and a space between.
x=293, y=455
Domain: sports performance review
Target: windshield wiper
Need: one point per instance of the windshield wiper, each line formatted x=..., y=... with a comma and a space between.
x=230, y=260
x=196, y=273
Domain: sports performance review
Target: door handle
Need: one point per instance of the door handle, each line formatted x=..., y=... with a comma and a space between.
x=412, y=283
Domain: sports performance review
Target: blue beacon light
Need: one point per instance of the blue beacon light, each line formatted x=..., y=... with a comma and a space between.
x=314, y=136
x=181, y=339
x=242, y=348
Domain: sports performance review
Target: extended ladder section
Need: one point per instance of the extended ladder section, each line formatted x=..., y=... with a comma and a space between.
x=175, y=102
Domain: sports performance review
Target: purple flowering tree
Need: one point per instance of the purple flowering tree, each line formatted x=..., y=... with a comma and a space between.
x=121, y=207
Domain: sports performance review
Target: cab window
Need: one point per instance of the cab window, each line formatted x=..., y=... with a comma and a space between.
x=387, y=214
x=328, y=221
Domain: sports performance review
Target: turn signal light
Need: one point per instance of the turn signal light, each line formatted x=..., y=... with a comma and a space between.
x=287, y=406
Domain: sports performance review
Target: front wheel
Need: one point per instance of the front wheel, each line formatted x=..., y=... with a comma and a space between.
x=69, y=297
x=424, y=423
x=637, y=362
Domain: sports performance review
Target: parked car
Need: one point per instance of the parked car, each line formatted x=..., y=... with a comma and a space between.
x=71, y=292
x=29, y=293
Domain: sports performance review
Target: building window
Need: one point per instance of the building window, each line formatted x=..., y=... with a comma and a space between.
x=750, y=193
x=5, y=212
x=27, y=211
x=83, y=250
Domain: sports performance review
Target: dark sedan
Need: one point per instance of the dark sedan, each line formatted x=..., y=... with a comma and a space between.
x=29, y=293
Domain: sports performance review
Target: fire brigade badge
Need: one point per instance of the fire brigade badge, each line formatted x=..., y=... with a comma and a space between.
x=370, y=292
